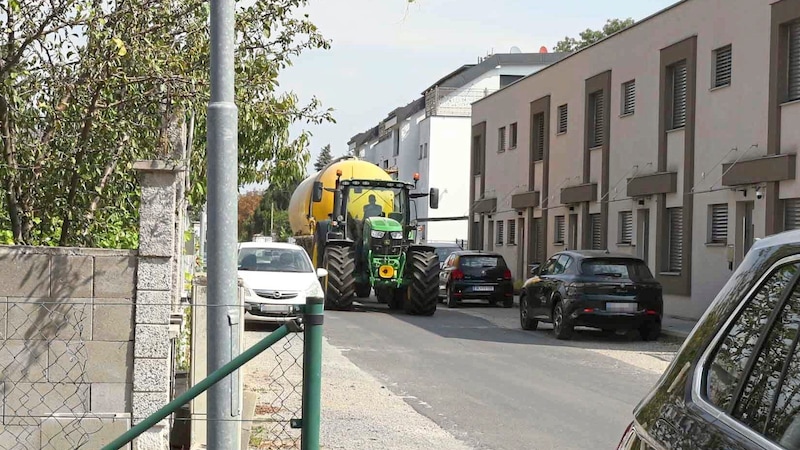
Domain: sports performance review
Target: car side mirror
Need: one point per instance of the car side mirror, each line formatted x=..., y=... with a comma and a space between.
x=322, y=273
x=534, y=269
x=316, y=195
x=434, y=198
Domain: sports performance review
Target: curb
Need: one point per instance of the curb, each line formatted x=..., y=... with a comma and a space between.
x=680, y=334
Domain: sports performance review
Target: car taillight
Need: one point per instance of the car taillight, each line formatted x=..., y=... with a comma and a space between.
x=457, y=275
x=507, y=275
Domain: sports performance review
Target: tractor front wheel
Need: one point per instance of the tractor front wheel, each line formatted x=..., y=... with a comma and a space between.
x=422, y=293
x=341, y=283
x=363, y=290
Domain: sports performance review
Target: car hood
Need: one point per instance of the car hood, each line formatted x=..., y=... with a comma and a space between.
x=277, y=281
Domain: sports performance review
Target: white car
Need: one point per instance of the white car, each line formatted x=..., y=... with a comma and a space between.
x=277, y=277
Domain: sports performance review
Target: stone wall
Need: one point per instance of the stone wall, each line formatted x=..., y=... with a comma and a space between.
x=66, y=346
x=86, y=335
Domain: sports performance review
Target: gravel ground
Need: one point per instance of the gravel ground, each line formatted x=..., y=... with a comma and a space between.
x=358, y=412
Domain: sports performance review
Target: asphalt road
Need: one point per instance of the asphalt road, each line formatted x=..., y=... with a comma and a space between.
x=494, y=386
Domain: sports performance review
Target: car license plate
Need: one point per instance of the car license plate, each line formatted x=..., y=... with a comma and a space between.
x=622, y=307
x=274, y=309
x=483, y=288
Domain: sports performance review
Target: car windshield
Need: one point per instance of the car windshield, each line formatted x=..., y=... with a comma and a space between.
x=274, y=260
x=630, y=269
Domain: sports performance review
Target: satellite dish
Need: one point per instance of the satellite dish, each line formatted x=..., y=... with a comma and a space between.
x=515, y=49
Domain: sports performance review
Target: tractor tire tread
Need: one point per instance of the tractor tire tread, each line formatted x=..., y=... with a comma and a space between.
x=423, y=295
x=341, y=284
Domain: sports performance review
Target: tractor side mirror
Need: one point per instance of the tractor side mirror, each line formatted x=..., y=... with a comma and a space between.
x=316, y=195
x=434, y=198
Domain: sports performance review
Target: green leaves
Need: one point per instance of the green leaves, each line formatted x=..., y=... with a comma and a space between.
x=589, y=36
x=90, y=90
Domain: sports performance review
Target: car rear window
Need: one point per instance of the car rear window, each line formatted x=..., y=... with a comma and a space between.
x=481, y=262
x=617, y=268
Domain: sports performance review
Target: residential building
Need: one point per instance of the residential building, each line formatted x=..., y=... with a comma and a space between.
x=430, y=136
x=674, y=140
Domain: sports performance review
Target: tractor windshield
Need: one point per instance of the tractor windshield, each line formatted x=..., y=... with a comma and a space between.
x=377, y=201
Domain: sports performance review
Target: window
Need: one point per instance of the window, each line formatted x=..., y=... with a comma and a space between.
x=559, y=230
x=791, y=214
x=512, y=232
x=563, y=118
x=675, y=239
x=538, y=138
x=505, y=80
x=595, y=224
x=729, y=361
x=477, y=156
x=501, y=139
x=512, y=138
x=625, y=227
x=718, y=224
x=794, y=61
x=421, y=154
x=597, y=119
x=628, y=98
x=678, y=80
x=385, y=163
x=425, y=152
x=396, y=146
x=723, y=66
x=499, y=240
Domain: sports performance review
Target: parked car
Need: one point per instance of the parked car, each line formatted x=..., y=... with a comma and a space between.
x=476, y=275
x=734, y=383
x=594, y=289
x=276, y=277
x=443, y=250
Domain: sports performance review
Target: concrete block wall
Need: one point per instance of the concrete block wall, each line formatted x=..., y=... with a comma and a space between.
x=66, y=346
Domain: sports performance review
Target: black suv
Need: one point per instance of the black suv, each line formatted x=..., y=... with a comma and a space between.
x=594, y=289
x=735, y=382
x=476, y=275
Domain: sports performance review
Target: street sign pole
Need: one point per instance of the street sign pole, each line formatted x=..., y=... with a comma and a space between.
x=222, y=427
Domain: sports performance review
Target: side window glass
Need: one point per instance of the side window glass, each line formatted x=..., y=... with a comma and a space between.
x=560, y=265
x=549, y=266
x=730, y=359
x=567, y=263
x=770, y=398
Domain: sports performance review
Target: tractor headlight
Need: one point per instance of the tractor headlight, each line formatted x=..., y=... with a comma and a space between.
x=397, y=235
x=377, y=234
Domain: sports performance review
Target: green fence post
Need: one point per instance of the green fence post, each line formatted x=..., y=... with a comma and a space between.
x=312, y=373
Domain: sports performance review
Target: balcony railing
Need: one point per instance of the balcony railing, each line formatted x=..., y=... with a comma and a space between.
x=453, y=102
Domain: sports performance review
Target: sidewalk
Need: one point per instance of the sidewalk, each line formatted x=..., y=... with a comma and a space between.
x=677, y=327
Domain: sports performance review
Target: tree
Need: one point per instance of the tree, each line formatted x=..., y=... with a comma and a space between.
x=324, y=158
x=248, y=203
x=87, y=87
x=275, y=200
x=589, y=36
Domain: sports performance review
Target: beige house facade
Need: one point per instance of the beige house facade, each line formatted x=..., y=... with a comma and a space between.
x=674, y=140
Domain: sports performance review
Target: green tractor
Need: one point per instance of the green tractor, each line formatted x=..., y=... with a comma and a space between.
x=369, y=243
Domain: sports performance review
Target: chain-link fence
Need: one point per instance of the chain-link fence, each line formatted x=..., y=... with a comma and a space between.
x=275, y=381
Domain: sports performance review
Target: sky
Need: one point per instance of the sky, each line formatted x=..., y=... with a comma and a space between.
x=384, y=53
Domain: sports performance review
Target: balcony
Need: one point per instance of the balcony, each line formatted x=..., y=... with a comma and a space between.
x=453, y=102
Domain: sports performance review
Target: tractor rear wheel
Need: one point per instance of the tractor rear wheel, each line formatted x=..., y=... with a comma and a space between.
x=341, y=283
x=422, y=293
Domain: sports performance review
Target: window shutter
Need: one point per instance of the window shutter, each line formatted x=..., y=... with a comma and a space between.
x=513, y=137
x=629, y=97
x=794, y=61
x=679, y=75
x=597, y=232
x=719, y=223
x=625, y=227
x=563, y=116
x=675, y=239
x=501, y=144
x=723, y=66
x=512, y=232
x=599, y=119
x=541, y=240
x=559, y=229
x=538, y=143
x=499, y=240
x=791, y=214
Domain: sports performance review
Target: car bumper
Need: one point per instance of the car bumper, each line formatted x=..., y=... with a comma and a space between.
x=271, y=313
x=472, y=292
x=613, y=320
